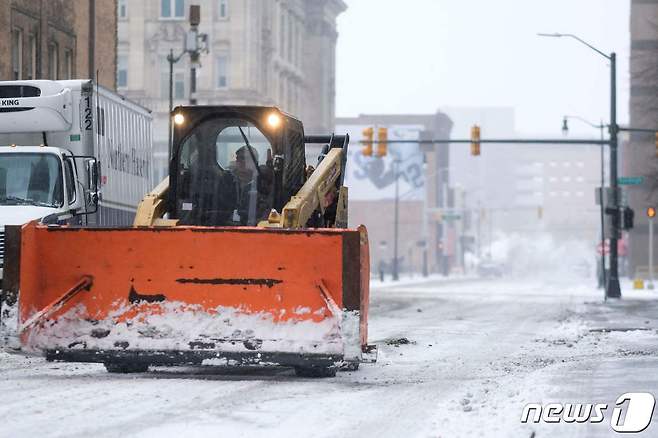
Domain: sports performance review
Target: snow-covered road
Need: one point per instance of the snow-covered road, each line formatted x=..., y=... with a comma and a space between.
x=477, y=353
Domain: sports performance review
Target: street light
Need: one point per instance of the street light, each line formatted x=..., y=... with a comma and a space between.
x=195, y=43
x=600, y=126
x=612, y=289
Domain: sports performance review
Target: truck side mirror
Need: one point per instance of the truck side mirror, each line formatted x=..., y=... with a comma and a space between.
x=93, y=177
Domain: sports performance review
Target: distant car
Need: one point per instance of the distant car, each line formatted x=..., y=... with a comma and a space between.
x=490, y=269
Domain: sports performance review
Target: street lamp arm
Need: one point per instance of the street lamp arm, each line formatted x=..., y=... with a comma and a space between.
x=570, y=35
x=606, y=56
x=174, y=60
x=587, y=122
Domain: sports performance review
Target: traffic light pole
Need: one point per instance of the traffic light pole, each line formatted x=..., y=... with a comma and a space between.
x=612, y=289
x=553, y=141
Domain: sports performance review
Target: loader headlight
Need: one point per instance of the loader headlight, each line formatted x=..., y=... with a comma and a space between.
x=179, y=119
x=274, y=120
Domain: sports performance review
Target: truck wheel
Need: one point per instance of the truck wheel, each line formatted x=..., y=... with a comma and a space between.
x=315, y=372
x=125, y=368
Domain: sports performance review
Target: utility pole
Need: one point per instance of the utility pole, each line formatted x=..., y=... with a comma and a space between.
x=172, y=60
x=651, y=215
x=613, y=290
x=91, y=42
x=479, y=230
x=396, y=220
x=650, y=286
x=194, y=44
x=425, y=224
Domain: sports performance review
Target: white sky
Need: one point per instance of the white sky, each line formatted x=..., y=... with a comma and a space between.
x=416, y=56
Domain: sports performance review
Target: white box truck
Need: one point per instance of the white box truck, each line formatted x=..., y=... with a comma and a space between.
x=71, y=152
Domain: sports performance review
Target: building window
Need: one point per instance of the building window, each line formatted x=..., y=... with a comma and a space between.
x=123, y=9
x=122, y=71
x=68, y=64
x=32, y=57
x=17, y=53
x=223, y=8
x=172, y=8
x=53, y=61
x=222, y=71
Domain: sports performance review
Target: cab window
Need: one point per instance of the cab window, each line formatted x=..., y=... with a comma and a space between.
x=70, y=180
x=225, y=174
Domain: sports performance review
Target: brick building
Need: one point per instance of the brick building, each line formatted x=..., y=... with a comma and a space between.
x=57, y=39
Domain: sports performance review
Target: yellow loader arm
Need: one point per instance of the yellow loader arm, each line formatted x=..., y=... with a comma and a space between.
x=152, y=208
x=318, y=191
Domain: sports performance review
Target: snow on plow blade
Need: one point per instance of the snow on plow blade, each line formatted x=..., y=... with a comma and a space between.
x=183, y=295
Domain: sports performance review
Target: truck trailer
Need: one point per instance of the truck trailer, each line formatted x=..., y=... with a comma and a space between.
x=71, y=152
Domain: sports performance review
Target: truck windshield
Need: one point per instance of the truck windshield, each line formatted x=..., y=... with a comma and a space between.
x=225, y=175
x=31, y=179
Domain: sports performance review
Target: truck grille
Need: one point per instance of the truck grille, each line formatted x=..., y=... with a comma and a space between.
x=2, y=249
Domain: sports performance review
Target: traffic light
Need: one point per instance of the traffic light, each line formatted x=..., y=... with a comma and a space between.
x=475, y=140
x=382, y=139
x=627, y=216
x=656, y=143
x=368, y=134
x=651, y=212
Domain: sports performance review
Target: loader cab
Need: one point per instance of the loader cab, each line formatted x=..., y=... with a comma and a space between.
x=231, y=165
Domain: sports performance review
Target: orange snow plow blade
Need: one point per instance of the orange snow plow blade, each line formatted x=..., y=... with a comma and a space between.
x=182, y=295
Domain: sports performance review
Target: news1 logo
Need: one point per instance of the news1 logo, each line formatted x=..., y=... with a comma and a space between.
x=632, y=412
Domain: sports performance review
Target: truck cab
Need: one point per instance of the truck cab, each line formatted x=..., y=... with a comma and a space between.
x=40, y=182
x=41, y=178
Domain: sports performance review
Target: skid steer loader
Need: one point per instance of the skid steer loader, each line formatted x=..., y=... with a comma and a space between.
x=241, y=256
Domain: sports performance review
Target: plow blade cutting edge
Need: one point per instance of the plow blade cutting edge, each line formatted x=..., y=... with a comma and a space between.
x=186, y=295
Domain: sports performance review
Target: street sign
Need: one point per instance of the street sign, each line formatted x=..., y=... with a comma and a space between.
x=440, y=214
x=630, y=180
x=451, y=216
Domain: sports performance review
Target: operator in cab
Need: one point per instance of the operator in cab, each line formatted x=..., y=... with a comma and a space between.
x=254, y=183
